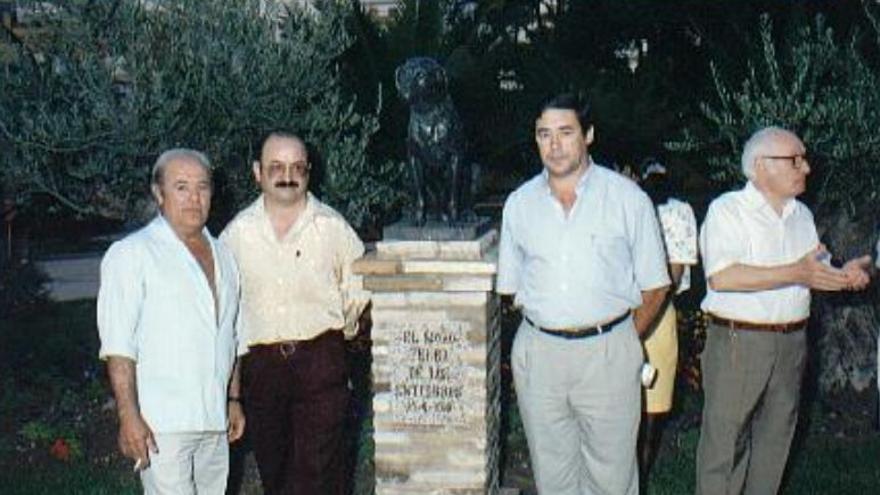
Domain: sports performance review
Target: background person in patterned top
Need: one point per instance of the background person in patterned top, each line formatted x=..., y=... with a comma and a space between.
x=582, y=252
x=299, y=302
x=762, y=257
x=166, y=311
x=679, y=228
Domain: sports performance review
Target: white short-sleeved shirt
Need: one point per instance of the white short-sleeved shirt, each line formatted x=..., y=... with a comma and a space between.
x=155, y=306
x=680, y=237
x=585, y=267
x=741, y=227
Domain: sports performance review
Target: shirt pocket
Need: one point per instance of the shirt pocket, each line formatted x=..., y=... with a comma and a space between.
x=610, y=263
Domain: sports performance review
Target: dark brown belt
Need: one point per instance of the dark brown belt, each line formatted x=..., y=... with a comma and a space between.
x=286, y=348
x=793, y=326
x=580, y=332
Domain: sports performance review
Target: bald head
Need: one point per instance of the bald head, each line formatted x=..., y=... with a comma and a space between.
x=282, y=136
x=759, y=144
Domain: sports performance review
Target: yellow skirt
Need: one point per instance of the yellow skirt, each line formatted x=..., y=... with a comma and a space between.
x=662, y=352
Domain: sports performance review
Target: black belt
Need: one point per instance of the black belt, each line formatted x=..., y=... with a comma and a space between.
x=580, y=332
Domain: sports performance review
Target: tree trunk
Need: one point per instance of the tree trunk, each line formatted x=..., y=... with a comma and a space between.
x=846, y=323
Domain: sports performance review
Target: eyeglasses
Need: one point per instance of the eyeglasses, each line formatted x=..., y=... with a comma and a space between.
x=797, y=161
x=299, y=168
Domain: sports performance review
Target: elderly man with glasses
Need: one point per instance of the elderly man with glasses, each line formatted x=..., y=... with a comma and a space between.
x=762, y=257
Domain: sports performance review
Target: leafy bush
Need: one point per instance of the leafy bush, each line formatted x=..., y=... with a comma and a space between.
x=22, y=286
x=821, y=87
x=102, y=87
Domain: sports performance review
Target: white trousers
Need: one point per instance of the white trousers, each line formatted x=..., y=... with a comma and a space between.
x=580, y=404
x=188, y=464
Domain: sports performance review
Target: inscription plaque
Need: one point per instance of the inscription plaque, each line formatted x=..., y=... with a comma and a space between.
x=427, y=382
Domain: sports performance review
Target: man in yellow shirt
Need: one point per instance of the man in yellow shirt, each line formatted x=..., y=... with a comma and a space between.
x=300, y=301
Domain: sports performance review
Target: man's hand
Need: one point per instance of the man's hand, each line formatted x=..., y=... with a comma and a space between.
x=816, y=274
x=235, y=422
x=136, y=439
x=856, y=271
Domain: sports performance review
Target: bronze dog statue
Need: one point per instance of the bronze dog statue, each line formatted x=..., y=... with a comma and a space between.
x=442, y=179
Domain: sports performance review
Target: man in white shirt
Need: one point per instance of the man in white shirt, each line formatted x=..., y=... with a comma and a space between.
x=166, y=310
x=762, y=257
x=300, y=301
x=582, y=251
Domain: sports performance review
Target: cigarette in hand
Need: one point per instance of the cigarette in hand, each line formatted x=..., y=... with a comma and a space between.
x=137, y=465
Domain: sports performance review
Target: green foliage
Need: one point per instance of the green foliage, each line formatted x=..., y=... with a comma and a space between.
x=86, y=110
x=22, y=287
x=818, y=85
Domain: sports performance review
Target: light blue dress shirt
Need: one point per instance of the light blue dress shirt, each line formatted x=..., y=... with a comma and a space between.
x=155, y=306
x=585, y=267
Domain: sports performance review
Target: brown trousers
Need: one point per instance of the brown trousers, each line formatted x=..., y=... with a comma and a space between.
x=296, y=406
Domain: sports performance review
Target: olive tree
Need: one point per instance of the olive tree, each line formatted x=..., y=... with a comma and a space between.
x=823, y=87
x=98, y=89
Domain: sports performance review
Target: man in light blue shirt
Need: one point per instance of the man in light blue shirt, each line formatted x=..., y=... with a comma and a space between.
x=581, y=250
x=166, y=311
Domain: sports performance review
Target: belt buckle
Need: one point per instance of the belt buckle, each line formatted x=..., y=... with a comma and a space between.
x=287, y=349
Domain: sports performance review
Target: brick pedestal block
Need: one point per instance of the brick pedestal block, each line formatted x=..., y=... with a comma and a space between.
x=436, y=355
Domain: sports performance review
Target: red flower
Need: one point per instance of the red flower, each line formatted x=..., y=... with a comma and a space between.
x=60, y=450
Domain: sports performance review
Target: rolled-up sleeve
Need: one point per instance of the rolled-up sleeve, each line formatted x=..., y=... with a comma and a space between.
x=120, y=300
x=649, y=255
x=510, y=254
x=354, y=296
x=721, y=243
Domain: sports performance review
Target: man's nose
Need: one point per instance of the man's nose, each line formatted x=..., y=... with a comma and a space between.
x=287, y=172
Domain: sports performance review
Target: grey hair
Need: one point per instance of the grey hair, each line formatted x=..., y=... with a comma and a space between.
x=755, y=145
x=175, y=153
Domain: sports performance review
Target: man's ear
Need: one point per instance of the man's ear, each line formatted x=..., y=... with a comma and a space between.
x=588, y=136
x=257, y=171
x=157, y=193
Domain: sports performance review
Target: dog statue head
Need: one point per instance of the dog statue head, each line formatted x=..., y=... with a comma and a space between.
x=421, y=80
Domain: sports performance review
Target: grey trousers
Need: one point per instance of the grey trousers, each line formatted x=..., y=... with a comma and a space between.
x=752, y=383
x=580, y=402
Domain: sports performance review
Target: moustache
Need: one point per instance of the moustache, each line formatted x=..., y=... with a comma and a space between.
x=287, y=184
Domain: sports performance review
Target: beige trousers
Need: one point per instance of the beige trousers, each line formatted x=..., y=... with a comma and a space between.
x=188, y=464
x=580, y=403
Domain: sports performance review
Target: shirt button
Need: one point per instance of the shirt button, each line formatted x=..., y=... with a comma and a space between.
x=564, y=287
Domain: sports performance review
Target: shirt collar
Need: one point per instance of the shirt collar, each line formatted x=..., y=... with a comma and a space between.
x=310, y=213
x=163, y=228
x=755, y=200
x=582, y=182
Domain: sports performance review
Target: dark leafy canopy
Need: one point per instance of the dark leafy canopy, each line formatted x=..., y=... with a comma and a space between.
x=822, y=85
x=106, y=86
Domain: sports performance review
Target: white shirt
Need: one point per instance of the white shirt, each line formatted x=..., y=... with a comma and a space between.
x=680, y=237
x=300, y=286
x=155, y=306
x=585, y=267
x=742, y=227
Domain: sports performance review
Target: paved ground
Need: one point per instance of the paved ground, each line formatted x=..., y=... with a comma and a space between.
x=72, y=277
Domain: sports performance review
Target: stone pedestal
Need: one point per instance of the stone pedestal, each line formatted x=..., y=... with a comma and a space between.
x=436, y=354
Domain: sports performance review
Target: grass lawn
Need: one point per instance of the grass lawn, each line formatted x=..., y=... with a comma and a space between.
x=54, y=389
